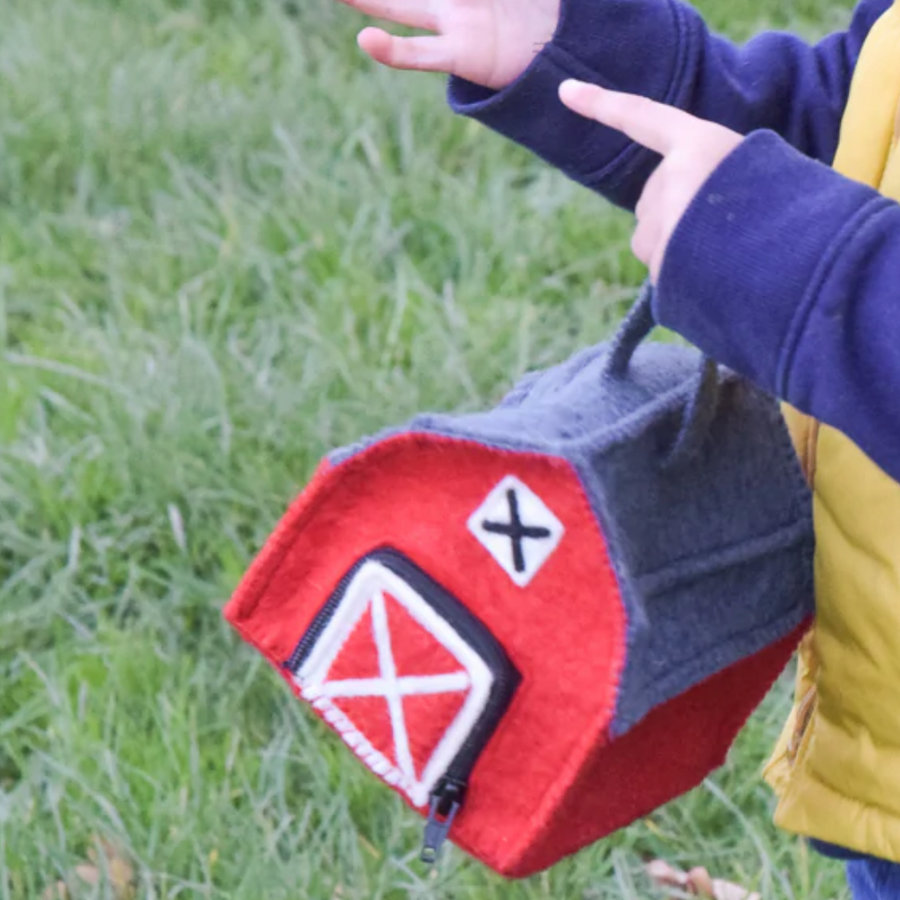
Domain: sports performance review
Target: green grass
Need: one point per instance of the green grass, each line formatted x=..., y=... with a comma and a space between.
x=226, y=245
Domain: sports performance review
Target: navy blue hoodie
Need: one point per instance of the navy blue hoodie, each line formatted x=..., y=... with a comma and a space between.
x=781, y=268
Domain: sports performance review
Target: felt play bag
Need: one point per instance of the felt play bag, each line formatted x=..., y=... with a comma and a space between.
x=543, y=621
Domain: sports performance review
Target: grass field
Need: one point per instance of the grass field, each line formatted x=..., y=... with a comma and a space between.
x=227, y=244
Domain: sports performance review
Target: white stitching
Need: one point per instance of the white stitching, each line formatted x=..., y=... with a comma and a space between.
x=358, y=743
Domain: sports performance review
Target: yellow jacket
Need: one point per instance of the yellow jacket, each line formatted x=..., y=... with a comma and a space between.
x=836, y=769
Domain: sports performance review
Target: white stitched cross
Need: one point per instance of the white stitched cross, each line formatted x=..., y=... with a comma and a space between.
x=517, y=528
x=367, y=591
x=392, y=688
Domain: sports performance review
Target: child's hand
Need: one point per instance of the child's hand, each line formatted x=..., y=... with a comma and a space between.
x=489, y=42
x=691, y=148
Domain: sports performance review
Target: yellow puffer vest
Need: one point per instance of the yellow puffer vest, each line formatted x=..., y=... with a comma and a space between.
x=836, y=769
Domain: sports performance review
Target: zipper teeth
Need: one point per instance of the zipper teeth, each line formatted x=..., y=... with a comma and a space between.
x=506, y=678
x=319, y=624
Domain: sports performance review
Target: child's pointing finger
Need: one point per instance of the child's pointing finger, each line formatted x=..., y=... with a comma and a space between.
x=654, y=125
x=701, y=147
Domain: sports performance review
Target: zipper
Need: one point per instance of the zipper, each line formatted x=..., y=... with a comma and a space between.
x=446, y=802
x=448, y=795
x=323, y=617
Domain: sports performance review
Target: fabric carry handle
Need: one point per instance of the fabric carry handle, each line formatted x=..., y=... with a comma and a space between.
x=701, y=408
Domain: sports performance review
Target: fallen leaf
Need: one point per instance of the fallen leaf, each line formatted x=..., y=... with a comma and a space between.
x=697, y=883
x=118, y=869
x=664, y=875
x=88, y=874
x=701, y=883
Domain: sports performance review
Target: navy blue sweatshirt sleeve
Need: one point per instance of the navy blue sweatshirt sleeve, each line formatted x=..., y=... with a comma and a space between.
x=663, y=50
x=789, y=273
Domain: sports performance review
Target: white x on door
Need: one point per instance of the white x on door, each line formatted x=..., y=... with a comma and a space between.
x=366, y=593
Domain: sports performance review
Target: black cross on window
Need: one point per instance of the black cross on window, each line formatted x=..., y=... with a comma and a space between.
x=515, y=530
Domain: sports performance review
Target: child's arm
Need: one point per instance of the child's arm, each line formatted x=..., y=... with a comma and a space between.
x=773, y=264
x=663, y=50
x=510, y=56
x=794, y=281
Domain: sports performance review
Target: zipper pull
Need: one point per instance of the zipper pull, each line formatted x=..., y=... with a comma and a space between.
x=446, y=800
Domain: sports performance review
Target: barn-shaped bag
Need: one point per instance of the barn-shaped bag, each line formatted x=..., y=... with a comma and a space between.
x=543, y=621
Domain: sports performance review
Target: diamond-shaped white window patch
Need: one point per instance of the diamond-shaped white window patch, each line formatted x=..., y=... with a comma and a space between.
x=517, y=528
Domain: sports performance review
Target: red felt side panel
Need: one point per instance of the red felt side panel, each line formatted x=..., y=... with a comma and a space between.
x=564, y=631
x=666, y=755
